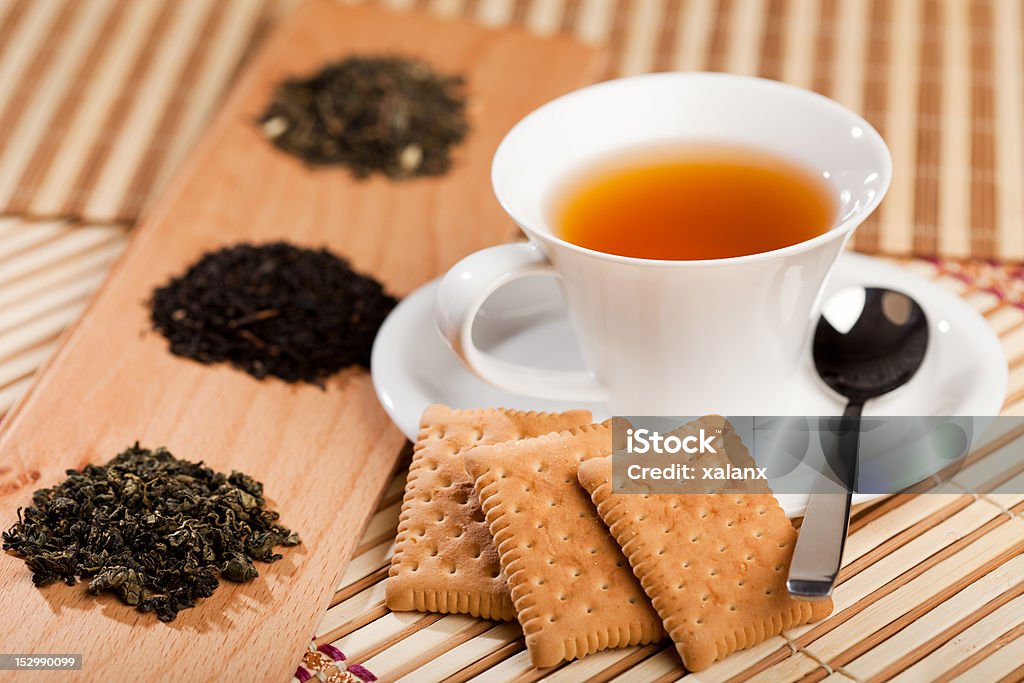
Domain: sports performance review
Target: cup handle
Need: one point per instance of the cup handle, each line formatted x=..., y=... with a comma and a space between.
x=464, y=289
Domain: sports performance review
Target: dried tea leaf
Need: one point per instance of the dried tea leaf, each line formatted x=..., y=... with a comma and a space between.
x=272, y=309
x=389, y=115
x=155, y=531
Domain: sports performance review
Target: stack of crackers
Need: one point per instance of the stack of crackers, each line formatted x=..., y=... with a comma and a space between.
x=511, y=515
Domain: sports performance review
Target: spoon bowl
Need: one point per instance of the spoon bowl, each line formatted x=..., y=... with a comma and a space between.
x=869, y=341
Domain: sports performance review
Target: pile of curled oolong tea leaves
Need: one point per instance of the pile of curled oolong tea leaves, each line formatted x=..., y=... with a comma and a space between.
x=156, y=531
x=389, y=115
x=273, y=309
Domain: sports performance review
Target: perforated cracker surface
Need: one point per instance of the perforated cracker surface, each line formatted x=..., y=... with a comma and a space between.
x=714, y=565
x=444, y=558
x=572, y=588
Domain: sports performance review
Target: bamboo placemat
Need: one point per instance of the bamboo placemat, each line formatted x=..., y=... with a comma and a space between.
x=931, y=588
x=100, y=100
x=48, y=270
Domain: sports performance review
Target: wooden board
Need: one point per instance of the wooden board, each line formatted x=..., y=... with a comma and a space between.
x=324, y=456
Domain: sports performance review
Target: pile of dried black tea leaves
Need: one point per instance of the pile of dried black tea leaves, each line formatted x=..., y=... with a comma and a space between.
x=390, y=115
x=272, y=309
x=156, y=531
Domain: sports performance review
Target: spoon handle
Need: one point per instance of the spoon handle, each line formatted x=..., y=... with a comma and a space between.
x=819, y=548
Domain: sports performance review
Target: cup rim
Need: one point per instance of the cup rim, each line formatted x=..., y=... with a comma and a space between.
x=839, y=230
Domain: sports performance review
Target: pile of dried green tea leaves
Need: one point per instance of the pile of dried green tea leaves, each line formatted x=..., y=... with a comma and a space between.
x=156, y=531
x=389, y=115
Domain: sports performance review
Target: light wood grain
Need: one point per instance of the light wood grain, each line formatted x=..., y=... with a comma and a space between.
x=324, y=455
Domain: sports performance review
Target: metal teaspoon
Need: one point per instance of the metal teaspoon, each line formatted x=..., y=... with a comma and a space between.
x=868, y=342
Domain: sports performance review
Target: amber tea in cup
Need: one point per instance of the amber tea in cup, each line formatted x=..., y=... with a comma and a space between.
x=693, y=203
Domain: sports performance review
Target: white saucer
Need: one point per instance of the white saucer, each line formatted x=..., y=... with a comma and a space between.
x=964, y=371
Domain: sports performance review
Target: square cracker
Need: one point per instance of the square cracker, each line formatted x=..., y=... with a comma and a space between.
x=572, y=588
x=714, y=564
x=444, y=558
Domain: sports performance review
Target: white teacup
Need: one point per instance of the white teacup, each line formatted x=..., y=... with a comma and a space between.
x=668, y=337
